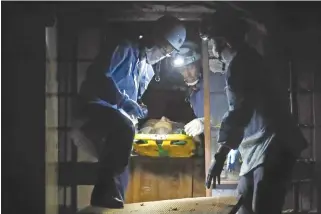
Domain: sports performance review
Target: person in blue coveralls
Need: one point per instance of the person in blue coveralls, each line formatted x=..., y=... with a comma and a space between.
x=258, y=122
x=111, y=92
x=188, y=62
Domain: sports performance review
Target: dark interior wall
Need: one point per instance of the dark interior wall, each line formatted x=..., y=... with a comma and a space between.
x=23, y=108
x=296, y=45
x=305, y=45
x=170, y=104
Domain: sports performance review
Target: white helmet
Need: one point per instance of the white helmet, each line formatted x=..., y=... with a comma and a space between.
x=172, y=30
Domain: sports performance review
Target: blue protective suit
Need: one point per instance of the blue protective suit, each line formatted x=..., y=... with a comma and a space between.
x=108, y=84
x=117, y=74
x=260, y=125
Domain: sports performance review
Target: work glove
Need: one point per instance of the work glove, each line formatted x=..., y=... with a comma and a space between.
x=232, y=159
x=215, y=170
x=195, y=127
x=133, y=108
x=145, y=111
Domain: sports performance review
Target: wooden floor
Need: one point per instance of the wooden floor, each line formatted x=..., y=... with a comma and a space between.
x=214, y=205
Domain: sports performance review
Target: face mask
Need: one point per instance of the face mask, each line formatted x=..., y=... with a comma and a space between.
x=216, y=66
x=228, y=55
x=154, y=55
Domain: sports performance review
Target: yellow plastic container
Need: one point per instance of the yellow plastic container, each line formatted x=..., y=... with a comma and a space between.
x=164, y=145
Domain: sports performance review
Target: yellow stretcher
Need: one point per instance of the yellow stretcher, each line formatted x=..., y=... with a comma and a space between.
x=164, y=145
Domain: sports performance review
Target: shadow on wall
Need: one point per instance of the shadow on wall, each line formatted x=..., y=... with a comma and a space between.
x=168, y=103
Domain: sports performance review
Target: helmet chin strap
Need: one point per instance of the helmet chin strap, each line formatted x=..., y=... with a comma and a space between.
x=192, y=83
x=192, y=89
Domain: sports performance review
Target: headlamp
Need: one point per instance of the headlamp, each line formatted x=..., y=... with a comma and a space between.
x=204, y=38
x=178, y=61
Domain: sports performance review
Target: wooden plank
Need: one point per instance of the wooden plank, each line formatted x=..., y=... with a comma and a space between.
x=83, y=195
x=88, y=43
x=306, y=196
x=148, y=188
x=317, y=152
x=317, y=132
x=305, y=70
x=81, y=72
x=288, y=201
x=220, y=205
x=198, y=178
x=83, y=173
x=317, y=107
x=207, y=109
x=51, y=151
x=305, y=108
x=159, y=179
x=150, y=178
x=129, y=197
x=136, y=171
x=308, y=134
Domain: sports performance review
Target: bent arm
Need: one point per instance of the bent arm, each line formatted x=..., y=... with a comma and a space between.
x=239, y=95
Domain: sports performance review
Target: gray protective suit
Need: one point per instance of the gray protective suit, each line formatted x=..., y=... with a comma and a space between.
x=260, y=125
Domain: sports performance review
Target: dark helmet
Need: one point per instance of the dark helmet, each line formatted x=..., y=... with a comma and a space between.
x=225, y=25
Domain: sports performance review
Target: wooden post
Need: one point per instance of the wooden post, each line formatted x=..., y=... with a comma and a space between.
x=52, y=203
x=207, y=109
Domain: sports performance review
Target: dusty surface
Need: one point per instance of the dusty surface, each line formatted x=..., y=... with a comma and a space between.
x=214, y=205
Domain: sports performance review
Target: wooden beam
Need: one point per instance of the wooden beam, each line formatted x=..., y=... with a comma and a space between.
x=151, y=16
x=207, y=109
x=186, y=205
x=51, y=122
x=23, y=68
x=84, y=173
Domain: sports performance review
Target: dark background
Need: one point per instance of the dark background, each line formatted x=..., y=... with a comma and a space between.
x=294, y=32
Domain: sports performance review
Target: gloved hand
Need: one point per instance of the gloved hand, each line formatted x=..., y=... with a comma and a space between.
x=195, y=127
x=232, y=159
x=216, y=168
x=132, y=107
x=144, y=110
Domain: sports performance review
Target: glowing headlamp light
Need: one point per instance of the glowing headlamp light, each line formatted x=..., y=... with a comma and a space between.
x=178, y=61
x=204, y=37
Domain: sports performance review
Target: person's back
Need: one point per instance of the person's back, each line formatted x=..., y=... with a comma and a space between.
x=117, y=62
x=270, y=120
x=258, y=122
